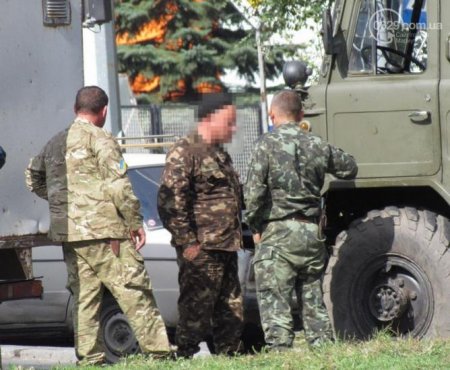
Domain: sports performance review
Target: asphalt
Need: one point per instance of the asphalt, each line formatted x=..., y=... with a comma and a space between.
x=40, y=358
x=37, y=357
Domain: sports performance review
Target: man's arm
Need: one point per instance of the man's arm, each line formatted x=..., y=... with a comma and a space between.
x=341, y=164
x=255, y=189
x=35, y=176
x=175, y=197
x=117, y=185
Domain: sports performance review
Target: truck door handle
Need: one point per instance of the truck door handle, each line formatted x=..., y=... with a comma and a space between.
x=420, y=116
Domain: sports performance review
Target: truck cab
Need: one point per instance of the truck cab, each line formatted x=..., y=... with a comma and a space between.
x=383, y=96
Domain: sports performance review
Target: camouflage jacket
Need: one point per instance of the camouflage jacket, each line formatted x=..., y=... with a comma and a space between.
x=82, y=174
x=199, y=199
x=287, y=172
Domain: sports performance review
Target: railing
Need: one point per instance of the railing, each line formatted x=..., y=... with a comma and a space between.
x=160, y=123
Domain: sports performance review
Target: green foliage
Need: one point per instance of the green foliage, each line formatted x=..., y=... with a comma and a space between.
x=288, y=14
x=201, y=40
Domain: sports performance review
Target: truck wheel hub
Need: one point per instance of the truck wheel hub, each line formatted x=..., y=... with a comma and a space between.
x=388, y=302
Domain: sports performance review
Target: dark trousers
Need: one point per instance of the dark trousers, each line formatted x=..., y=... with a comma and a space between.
x=210, y=302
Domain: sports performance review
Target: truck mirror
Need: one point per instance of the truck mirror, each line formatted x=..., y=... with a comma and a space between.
x=295, y=73
x=327, y=32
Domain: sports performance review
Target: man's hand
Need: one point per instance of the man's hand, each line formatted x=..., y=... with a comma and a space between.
x=190, y=253
x=256, y=238
x=138, y=237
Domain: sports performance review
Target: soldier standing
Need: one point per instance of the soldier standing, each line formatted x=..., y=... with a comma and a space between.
x=199, y=202
x=282, y=197
x=93, y=212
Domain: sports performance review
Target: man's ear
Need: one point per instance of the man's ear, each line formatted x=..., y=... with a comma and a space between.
x=105, y=111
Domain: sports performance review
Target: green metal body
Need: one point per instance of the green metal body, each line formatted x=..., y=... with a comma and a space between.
x=367, y=113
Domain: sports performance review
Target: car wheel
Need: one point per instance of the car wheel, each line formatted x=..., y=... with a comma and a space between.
x=117, y=334
x=389, y=271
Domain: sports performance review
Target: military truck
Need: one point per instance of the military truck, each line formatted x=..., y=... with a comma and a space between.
x=384, y=95
x=46, y=52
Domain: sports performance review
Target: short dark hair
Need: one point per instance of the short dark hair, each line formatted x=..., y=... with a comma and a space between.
x=91, y=99
x=209, y=103
x=289, y=102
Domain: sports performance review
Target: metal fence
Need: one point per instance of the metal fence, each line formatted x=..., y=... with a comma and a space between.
x=179, y=119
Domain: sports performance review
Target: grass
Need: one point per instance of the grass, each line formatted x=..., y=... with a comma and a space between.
x=383, y=352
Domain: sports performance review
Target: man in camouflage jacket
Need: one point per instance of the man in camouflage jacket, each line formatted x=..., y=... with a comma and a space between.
x=93, y=212
x=199, y=202
x=282, y=197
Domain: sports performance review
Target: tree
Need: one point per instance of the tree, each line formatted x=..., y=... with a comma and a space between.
x=288, y=14
x=178, y=48
x=285, y=17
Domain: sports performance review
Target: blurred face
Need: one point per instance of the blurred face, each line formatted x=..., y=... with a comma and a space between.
x=223, y=124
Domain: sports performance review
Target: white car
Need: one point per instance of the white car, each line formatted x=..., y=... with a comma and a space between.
x=49, y=320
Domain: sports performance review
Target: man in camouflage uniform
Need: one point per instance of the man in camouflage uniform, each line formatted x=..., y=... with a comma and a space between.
x=282, y=197
x=93, y=212
x=199, y=202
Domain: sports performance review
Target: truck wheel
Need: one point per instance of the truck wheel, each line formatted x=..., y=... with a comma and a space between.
x=117, y=334
x=391, y=270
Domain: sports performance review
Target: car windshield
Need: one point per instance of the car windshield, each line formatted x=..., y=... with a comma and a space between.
x=145, y=182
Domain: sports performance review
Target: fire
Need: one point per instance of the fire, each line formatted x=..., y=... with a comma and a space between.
x=151, y=31
x=143, y=84
x=154, y=31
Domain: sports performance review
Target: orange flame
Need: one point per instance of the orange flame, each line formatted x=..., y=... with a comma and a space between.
x=154, y=30
x=143, y=84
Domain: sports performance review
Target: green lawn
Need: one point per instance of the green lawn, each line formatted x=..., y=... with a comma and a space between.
x=383, y=353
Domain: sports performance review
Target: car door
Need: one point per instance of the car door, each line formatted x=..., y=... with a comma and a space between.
x=384, y=109
x=159, y=255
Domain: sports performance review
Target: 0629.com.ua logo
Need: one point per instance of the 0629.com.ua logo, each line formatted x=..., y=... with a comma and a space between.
x=387, y=25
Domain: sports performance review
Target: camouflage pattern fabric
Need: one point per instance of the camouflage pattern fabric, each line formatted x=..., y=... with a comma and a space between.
x=199, y=199
x=284, y=181
x=287, y=172
x=210, y=302
x=289, y=257
x=82, y=174
x=91, y=266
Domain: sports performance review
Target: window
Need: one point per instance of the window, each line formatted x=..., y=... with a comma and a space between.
x=145, y=182
x=390, y=37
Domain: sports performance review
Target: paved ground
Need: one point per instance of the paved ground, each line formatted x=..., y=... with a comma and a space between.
x=46, y=357
x=37, y=357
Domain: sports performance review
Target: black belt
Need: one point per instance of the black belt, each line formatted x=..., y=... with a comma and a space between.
x=297, y=217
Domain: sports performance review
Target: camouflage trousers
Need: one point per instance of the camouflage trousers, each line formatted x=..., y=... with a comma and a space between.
x=210, y=302
x=92, y=266
x=290, y=258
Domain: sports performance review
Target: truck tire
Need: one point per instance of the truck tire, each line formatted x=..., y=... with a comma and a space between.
x=390, y=270
x=117, y=334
